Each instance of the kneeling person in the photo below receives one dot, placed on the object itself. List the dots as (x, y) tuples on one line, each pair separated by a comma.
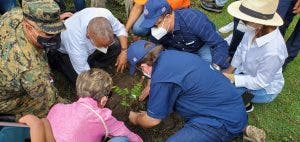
[(89, 42), (185, 83)]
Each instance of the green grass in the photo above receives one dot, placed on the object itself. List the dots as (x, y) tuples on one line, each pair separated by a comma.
[(281, 118)]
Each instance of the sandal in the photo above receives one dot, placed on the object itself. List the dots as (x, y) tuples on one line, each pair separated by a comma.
[(254, 134)]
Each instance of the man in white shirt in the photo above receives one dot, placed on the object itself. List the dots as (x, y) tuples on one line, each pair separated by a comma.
[(89, 42)]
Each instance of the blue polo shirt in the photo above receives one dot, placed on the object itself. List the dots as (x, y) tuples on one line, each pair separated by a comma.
[(192, 29), (185, 83)]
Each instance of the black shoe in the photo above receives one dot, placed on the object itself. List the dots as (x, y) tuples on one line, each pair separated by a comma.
[(211, 6), (247, 96), (249, 108)]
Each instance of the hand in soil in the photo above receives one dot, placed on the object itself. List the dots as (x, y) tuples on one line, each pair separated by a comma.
[(133, 117)]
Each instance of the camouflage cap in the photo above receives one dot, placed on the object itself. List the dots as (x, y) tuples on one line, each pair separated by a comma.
[(45, 13)]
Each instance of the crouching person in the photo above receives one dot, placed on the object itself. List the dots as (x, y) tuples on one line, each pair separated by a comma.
[(86, 119), (184, 83)]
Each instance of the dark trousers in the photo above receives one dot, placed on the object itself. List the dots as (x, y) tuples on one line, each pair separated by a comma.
[(285, 10), (61, 62)]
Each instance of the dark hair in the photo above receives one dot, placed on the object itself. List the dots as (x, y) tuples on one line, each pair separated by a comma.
[(151, 56), (264, 30)]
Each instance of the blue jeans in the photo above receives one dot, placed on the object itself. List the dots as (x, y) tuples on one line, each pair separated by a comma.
[(79, 4), (285, 10), (260, 96), (137, 29), (118, 139), (199, 132), (6, 5), (205, 53), (221, 2)]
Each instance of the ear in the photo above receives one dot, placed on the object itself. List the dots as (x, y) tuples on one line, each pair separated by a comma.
[(102, 102)]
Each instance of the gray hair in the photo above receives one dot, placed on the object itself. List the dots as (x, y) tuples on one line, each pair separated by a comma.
[(100, 27), (94, 83)]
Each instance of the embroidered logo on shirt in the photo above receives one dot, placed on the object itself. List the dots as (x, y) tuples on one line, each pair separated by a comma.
[(134, 59), (163, 9), (146, 12)]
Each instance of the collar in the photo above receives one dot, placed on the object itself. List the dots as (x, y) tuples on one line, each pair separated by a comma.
[(267, 38), (88, 101), (176, 21)]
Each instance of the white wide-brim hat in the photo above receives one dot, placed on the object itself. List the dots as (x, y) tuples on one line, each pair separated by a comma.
[(256, 11)]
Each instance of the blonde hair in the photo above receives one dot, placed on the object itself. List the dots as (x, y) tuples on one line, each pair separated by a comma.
[(94, 83)]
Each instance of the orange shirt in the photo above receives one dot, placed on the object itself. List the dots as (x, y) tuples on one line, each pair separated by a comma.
[(175, 4)]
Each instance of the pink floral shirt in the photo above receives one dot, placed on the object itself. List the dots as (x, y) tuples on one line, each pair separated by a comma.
[(76, 123)]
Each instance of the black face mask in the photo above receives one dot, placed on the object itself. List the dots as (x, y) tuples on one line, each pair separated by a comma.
[(49, 43)]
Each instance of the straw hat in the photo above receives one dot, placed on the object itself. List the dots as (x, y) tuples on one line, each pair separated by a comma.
[(256, 11)]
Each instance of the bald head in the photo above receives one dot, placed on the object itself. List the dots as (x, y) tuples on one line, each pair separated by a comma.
[(100, 31)]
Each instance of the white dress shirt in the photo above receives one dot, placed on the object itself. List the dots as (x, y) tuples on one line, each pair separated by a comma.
[(74, 41), (260, 61)]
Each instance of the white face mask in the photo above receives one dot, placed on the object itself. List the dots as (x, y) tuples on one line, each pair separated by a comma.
[(159, 32), (241, 26), (147, 75), (244, 28), (250, 28)]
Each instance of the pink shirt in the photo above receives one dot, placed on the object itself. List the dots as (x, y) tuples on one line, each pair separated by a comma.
[(76, 123)]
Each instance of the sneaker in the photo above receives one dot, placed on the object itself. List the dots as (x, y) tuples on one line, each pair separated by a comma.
[(254, 134), (227, 28), (211, 6), (249, 107)]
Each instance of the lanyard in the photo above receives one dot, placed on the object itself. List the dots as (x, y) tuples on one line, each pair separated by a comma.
[(101, 119)]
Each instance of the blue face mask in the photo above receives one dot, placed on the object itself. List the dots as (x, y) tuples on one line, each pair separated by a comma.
[(49, 43)]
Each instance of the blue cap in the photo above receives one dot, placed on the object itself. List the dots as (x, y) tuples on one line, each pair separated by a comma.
[(153, 10), (137, 51)]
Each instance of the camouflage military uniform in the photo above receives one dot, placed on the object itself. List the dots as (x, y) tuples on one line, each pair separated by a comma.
[(25, 82)]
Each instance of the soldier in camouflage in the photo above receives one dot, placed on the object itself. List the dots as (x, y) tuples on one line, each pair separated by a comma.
[(25, 81)]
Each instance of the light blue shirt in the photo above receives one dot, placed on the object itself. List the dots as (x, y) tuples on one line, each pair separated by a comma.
[(74, 41), (260, 60)]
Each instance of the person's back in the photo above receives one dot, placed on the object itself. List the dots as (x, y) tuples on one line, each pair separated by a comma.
[(205, 96), (87, 119)]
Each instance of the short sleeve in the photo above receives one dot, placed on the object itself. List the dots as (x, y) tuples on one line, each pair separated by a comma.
[(162, 99)]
